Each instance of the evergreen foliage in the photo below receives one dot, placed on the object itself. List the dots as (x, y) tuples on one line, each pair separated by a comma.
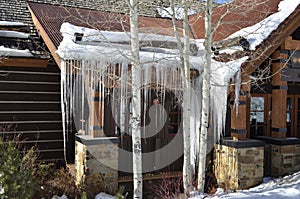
[(16, 171)]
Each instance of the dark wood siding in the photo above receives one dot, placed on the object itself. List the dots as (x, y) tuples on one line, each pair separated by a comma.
[(30, 107)]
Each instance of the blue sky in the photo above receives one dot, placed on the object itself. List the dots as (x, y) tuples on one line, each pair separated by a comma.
[(222, 1)]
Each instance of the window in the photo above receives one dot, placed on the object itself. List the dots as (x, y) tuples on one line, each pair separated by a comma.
[(295, 59), (257, 116)]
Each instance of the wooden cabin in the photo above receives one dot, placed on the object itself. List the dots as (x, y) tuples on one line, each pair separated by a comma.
[(30, 110)]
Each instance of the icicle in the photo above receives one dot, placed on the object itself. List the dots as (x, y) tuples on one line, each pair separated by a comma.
[(195, 121), (101, 87), (71, 92), (82, 97), (123, 98), (237, 90), (63, 103), (145, 90)]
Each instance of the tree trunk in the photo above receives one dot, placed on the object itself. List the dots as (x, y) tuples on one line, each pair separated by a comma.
[(187, 170), (184, 58), (205, 97), (136, 103)]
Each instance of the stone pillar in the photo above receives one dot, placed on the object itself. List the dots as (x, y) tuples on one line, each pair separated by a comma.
[(96, 163), (239, 164), (283, 155), (279, 96)]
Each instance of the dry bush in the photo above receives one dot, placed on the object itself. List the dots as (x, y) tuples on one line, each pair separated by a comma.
[(167, 189), (55, 182)]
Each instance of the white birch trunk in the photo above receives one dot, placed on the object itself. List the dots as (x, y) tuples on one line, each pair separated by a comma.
[(187, 170), (136, 103), (205, 97)]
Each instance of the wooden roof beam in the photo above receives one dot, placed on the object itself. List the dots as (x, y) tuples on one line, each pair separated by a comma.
[(23, 62)]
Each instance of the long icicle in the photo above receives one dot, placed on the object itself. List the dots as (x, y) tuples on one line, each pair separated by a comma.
[(63, 103)]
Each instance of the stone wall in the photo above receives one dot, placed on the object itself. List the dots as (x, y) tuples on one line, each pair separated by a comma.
[(96, 163), (239, 168), (285, 159)]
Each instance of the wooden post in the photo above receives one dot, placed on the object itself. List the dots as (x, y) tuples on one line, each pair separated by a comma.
[(279, 95), (97, 114), (239, 117)]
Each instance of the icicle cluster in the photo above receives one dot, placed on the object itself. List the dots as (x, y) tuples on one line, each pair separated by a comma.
[(105, 69)]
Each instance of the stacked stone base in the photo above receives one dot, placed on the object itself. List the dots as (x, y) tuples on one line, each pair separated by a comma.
[(283, 155), (239, 164), (96, 163)]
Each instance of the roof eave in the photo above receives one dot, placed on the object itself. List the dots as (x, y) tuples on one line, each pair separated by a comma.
[(51, 46), (270, 44)]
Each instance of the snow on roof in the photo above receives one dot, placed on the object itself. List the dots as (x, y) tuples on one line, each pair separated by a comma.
[(106, 49), (13, 34), (257, 33), (68, 30), (9, 52), (120, 53), (11, 23), (167, 12), (109, 48)]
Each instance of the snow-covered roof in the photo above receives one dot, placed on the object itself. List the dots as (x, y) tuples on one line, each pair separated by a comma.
[(8, 35), (11, 23), (89, 34), (13, 34), (257, 33), (15, 16), (112, 47), (9, 52)]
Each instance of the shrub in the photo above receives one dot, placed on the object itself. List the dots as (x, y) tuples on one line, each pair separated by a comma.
[(52, 182), (16, 171), (166, 188)]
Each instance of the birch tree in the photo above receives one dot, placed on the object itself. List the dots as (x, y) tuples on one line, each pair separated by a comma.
[(187, 171), (205, 96), (185, 74), (136, 100)]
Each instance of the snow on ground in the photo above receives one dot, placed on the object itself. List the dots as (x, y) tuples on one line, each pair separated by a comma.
[(60, 197), (104, 196), (287, 187), (275, 188)]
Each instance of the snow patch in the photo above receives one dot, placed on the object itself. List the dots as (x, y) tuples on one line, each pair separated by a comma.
[(11, 23), (13, 34), (14, 52), (60, 197), (287, 187), (104, 196)]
